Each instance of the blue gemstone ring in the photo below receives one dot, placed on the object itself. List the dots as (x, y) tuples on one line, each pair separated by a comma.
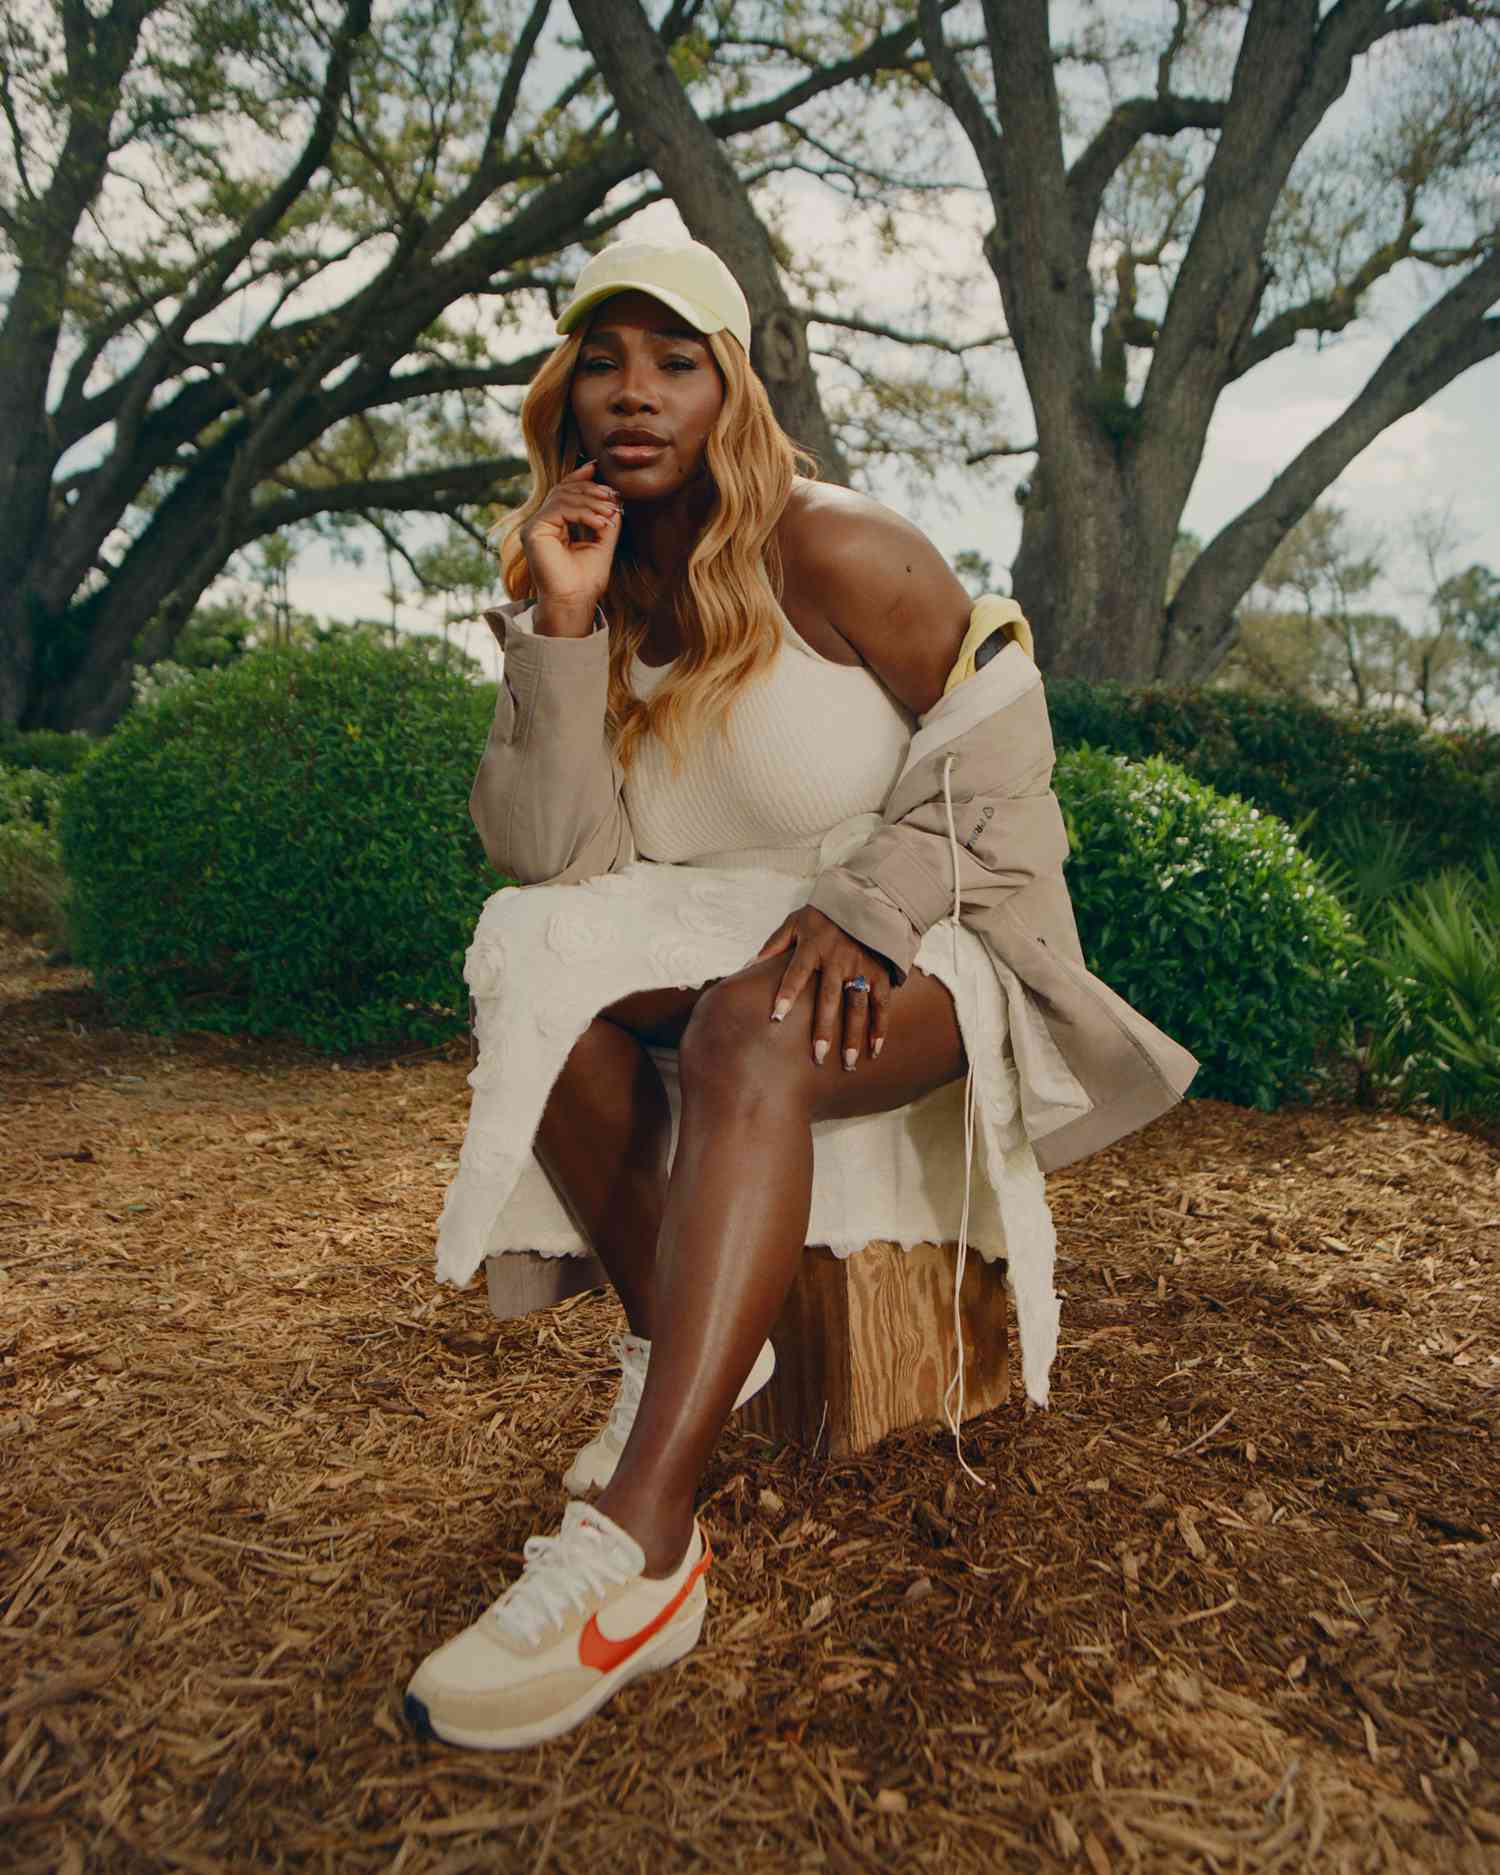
[(858, 983)]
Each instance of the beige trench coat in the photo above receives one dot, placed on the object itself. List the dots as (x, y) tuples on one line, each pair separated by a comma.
[(548, 807)]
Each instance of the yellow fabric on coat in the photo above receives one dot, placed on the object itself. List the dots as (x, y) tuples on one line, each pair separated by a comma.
[(991, 613)]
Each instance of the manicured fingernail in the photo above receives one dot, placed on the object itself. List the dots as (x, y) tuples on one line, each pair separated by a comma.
[(778, 1014), (851, 1055), (820, 1051), (877, 1045)]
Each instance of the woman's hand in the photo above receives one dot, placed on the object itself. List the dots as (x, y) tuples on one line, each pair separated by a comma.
[(569, 545), (824, 950)]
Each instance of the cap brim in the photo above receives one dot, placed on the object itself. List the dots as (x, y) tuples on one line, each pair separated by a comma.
[(696, 314)]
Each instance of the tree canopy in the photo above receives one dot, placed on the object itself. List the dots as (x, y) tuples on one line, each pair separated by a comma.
[(277, 261), (277, 264)]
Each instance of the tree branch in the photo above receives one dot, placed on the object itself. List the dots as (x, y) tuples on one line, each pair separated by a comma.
[(487, 171), (847, 322), (406, 385), (848, 167), (961, 97), (1000, 449), (221, 266), (1327, 312), (17, 140), (1450, 338), (1125, 127), (432, 491)]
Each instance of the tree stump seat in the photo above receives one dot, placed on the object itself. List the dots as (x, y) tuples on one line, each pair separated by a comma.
[(864, 1344)]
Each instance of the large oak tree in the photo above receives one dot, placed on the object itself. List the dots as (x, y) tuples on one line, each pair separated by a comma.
[(1177, 201)]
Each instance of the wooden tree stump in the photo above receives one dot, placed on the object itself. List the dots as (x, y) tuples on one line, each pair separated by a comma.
[(864, 1345)]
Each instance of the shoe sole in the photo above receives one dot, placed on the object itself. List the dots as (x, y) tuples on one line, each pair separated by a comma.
[(584, 1476), (665, 1649)]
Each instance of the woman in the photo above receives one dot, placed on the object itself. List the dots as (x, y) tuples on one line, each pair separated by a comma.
[(717, 664)]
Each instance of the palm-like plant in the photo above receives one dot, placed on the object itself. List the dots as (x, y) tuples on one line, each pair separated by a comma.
[(1368, 865), (1440, 1039)]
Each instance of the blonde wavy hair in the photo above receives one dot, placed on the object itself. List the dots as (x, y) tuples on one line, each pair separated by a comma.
[(727, 609)]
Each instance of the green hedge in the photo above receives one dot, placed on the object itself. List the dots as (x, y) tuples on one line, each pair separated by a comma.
[(33, 884), (284, 846), (1297, 760), (1203, 912), (52, 751)]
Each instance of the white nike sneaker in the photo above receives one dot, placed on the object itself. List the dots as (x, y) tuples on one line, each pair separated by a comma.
[(580, 1622), (595, 1464)]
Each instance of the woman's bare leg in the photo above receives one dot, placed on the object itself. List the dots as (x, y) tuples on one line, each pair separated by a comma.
[(735, 1217), (604, 1139)]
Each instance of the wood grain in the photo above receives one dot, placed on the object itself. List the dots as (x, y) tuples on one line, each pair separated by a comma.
[(521, 1281), (865, 1345)]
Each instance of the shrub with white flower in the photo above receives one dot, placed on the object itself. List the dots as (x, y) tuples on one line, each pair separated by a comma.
[(1206, 915)]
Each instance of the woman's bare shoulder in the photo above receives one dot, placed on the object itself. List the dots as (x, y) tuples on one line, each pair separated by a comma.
[(878, 581), (825, 527)]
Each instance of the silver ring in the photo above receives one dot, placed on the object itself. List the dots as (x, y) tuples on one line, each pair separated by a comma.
[(858, 983)]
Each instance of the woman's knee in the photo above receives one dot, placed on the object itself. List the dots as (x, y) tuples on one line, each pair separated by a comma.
[(731, 1048)]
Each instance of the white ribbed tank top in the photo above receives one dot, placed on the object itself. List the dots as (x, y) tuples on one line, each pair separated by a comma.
[(808, 745)]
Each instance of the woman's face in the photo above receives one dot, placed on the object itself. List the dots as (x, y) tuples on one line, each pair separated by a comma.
[(646, 393)]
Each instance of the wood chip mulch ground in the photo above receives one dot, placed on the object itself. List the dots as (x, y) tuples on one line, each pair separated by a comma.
[(1231, 1605)]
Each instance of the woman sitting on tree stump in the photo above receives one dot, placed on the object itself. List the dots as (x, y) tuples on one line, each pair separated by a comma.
[(706, 762)]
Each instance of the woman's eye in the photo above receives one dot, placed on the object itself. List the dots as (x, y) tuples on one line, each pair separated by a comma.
[(682, 364), (594, 364)]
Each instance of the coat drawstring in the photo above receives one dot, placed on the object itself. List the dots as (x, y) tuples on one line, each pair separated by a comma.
[(971, 1101)]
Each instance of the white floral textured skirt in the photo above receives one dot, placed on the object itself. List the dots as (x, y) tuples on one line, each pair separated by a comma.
[(546, 959)]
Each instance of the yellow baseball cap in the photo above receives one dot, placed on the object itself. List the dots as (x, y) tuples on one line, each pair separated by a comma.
[(685, 275)]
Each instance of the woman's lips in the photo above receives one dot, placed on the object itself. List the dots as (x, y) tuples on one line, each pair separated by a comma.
[(634, 455)]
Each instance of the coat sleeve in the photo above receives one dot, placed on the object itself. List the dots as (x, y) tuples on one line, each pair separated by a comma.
[(547, 798), (1007, 820)]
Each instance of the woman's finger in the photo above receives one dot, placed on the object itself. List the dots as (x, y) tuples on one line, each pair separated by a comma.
[(829, 1008), (781, 939), (594, 527), (879, 1000), (583, 508), (794, 980), (856, 1024)]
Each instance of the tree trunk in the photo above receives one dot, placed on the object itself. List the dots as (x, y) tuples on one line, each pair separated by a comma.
[(1092, 566)]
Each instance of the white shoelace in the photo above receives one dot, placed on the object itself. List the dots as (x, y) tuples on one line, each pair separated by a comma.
[(563, 1575), (971, 1102), (633, 1364)]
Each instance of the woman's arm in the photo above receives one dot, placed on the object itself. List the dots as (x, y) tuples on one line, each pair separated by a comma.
[(546, 799)]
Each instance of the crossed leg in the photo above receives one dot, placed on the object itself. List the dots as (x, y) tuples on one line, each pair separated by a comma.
[(703, 1260)]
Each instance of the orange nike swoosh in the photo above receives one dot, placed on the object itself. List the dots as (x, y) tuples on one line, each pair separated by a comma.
[(600, 1652)]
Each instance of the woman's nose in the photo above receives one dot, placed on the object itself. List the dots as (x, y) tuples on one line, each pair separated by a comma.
[(632, 393)]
